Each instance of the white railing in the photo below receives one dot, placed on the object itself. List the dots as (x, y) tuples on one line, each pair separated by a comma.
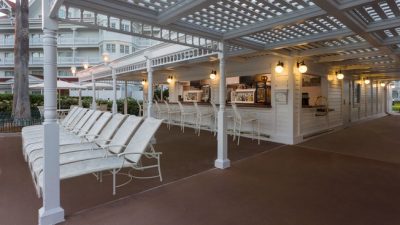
[(79, 61), (131, 68), (180, 56), (9, 42)]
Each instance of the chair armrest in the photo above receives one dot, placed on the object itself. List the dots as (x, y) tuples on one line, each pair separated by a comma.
[(139, 153)]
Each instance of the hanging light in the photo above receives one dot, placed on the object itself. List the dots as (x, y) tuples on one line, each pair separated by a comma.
[(301, 66), (143, 81), (367, 81), (73, 70), (106, 57), (213, 74), (383, 84), (86, 66), (279, 67), (339, 75), (169, 79)]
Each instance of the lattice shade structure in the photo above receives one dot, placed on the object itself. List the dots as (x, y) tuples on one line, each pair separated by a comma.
[(337, 30)]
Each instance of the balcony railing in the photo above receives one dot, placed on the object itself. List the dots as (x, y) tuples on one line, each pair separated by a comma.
[(9, 42), (38, 61)]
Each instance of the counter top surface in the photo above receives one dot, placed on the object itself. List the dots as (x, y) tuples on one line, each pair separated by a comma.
[(254, 105)]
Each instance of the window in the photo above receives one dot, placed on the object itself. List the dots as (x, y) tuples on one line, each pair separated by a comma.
[(126, 49), (9, 73), (110, 48), (64, 73), (113, 25), (356, 93), (122, 48), (125, 27)]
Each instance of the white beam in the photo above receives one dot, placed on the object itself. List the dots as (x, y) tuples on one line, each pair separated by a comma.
[(383, 24), (337, 34), (348, 56), (350, 4), (55, 7), (182, 9), (334, 49), (114, 103), (280, 21), (391, 40)]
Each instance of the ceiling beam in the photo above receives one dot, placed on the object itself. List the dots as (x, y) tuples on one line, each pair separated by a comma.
[(337, 34), (348, 56), (334, 49), (383, 24), (182, 9), (391, 40), (350, 4), (280, 21)]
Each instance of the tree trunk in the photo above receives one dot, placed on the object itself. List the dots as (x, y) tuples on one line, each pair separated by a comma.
[(21, 102)]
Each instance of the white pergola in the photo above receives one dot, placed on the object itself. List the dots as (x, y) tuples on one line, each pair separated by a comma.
[(357, 36)]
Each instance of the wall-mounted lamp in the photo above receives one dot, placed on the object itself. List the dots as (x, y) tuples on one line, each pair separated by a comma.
[(213, 74), (86, 66), (392, 86), (73, 70), (339, 75), (367, 81), (106, 57), (143, 81), (301, 66), (169, 79), (279, 67), (383, 84)]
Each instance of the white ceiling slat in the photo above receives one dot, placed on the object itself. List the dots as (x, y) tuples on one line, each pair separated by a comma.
[(334, 49), (346, 57)]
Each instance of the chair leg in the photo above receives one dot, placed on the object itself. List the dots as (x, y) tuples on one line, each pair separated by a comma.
[(114, 181), (240, 130), (198, 132)]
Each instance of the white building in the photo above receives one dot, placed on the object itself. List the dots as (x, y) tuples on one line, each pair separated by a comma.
[(76, 44)]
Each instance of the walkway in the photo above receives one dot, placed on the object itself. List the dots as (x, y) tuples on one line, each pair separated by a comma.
[(351, 177)]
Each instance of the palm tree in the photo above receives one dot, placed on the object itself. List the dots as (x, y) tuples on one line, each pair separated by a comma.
[(21, 102)]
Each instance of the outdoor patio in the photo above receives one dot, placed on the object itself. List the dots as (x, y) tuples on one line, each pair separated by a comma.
[(267, 184)]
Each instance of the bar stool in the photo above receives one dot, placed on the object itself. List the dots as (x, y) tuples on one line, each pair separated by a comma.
[(199, 117), (215, 110), (159, 111), (184, 113), (140, 113), (239, 120), (170, 112)]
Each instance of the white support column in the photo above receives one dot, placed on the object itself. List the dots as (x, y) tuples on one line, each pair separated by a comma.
[(222, 160), (94, 107), (51, 212), (149, 88), (126, 98), (80, 95), (114, 79)]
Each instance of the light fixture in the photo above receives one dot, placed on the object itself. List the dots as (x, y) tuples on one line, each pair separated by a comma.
[(169, 79), (106, 57), (213, 74), (392, 86), (339, 75), (301, 66), (383, 84), (367, 81), (279, 67), (73, 70), (143, 81), (86, 66)]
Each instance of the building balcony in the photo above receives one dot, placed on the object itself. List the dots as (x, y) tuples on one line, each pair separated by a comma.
[(61, 61), (62, 41)]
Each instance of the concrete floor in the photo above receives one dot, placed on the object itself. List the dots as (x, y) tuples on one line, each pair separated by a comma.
[(348, 177)]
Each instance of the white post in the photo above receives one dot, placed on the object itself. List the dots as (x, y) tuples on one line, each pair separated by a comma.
[(126, 98), (149, 88), (114, 79), (80, 95), (51, 212), (222, 160), (94, 107)]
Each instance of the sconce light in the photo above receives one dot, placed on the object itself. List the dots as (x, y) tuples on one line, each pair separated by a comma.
[(339, 75), (392, 86), (301, 66), (367, 81), (73, 70), (213, 74), (279, 67), (383, 84), (143, 81), (86, 66), (169, 79), (264, 79), (106, 57)]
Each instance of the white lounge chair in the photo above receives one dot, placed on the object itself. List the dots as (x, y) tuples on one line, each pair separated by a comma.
[(115, 146), (131, 157)]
